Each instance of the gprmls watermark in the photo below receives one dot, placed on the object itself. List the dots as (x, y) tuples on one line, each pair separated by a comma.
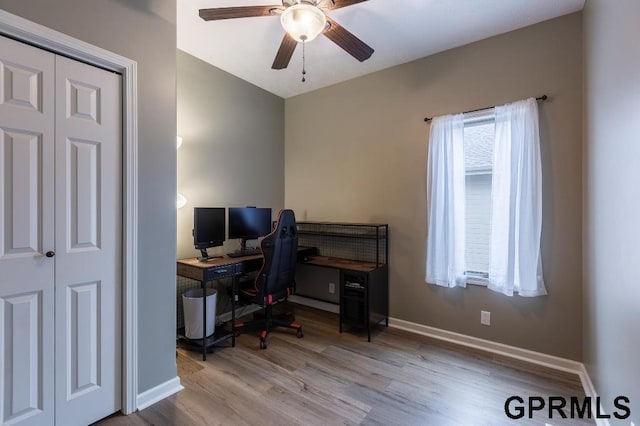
[(516, 407)]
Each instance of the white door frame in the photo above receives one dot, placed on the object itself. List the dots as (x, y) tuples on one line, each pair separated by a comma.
[(35, 34)]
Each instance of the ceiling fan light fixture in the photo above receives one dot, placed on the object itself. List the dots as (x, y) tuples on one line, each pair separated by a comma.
[(303, 22)]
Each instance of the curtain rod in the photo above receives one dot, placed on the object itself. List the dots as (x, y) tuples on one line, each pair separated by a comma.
[(539, 98)]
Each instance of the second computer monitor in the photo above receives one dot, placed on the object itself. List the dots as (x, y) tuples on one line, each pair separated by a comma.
[(249, 223)]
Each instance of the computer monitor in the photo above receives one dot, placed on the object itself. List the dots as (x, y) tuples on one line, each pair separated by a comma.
[(249, 223), (208, 228)]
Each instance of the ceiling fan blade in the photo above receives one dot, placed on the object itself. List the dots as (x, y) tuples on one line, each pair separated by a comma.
[(350, 43), (287, 47), (337, 4), (218, 13)]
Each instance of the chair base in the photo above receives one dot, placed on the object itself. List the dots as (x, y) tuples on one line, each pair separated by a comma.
[(264, 321)]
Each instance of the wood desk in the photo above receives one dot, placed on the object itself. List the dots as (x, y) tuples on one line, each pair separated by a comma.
[(364, 291), (338, 263), (214, 269), (209, 270)]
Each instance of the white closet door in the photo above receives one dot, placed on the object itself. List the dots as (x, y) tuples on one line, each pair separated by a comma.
[(88, 242), (26, 234)]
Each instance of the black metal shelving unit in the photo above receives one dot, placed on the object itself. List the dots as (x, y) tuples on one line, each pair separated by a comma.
[(361, 252), (364, 242)]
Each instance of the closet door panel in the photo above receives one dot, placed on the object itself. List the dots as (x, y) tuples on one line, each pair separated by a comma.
[(89, 235), (26, 234)]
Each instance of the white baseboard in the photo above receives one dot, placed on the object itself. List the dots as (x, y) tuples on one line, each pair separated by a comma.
[(527, 355), (249, 309), (240, 311), (550, 361), (318, 304), (160, 392), (587, 384), (590, 390)]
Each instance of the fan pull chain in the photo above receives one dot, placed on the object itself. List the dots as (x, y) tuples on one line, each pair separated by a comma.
[(304, 72)]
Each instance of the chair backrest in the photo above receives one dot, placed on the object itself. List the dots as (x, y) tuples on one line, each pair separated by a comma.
[(280, 252)]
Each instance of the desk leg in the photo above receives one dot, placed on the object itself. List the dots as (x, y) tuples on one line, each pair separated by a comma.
[(234, 298), (203, 284)]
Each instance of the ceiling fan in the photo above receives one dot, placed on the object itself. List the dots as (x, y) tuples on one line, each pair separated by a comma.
[(303, 20)]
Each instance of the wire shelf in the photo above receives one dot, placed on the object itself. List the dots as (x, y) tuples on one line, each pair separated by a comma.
[(354, 241)]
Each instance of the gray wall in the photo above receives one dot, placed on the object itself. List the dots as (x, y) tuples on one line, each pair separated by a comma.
[(612, 199), (233, 149), (357, 151), (145, 32)]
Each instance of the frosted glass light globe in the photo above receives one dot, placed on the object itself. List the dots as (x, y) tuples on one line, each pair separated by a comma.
[(303, 22)]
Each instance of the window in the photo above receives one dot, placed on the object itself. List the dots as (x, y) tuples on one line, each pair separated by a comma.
[(484, 200), (479, 134)]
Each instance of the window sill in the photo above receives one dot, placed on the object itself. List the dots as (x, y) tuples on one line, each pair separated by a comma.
[(482, 282)]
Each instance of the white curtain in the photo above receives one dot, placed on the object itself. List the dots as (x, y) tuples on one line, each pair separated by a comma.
[(516, 202), (445, 202)]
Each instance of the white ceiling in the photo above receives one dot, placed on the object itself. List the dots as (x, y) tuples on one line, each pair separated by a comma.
[(399, 30)]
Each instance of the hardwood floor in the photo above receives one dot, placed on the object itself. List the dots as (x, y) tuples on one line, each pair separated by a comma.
[(329, 378)]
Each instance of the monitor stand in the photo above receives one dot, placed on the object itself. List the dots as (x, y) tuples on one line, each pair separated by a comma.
[(205, 256), (243, 251)]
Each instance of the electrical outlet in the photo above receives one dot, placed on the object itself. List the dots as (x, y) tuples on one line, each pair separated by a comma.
[(332, 288), (485, 317)]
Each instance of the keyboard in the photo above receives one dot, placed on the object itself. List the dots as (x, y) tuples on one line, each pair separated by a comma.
[(246, 252)]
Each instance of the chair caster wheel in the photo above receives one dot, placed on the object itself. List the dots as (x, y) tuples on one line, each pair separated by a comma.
[(299, 333), (263, 344)]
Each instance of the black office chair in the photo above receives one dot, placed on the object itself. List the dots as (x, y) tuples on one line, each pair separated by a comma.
[(275, 281)]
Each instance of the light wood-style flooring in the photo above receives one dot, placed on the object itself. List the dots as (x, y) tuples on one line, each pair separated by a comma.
[(328, 378)]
